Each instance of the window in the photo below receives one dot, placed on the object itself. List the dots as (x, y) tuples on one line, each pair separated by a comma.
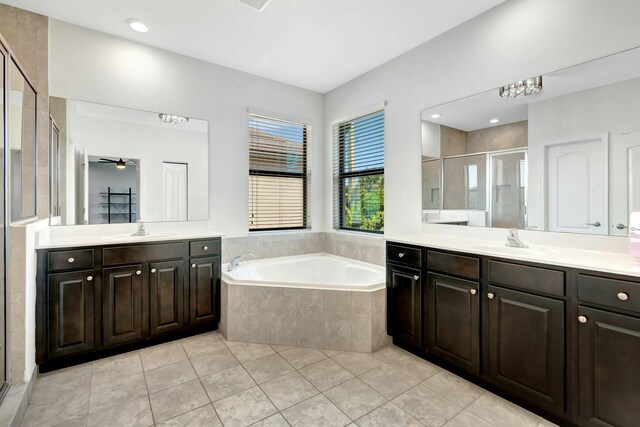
[(278, 174), (359, 173)]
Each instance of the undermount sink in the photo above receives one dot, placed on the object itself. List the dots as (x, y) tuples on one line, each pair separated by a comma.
[(129, 236), (509, 250)]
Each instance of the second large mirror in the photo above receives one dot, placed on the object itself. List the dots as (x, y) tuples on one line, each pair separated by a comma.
[(558, 152), (117, 165)]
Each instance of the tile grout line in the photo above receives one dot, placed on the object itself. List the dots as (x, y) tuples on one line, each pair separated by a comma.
[(144, 375)]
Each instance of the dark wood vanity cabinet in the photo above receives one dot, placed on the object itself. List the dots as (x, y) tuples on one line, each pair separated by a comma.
[(93, 301), (405, 299)]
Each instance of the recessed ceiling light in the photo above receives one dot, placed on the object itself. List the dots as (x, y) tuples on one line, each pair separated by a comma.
[(137, 25), (494, 121), (435, 116)]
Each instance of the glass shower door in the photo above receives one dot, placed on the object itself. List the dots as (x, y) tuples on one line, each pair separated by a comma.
[(3, 203)]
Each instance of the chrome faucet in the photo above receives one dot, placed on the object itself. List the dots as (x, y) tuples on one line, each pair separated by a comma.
[(235, 261), (141, 231), (513, 240)]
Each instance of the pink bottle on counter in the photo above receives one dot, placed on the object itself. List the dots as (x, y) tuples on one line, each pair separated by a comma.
[(634, 234)]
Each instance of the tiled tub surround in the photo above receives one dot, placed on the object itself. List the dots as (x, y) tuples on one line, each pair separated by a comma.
[(277, 302)]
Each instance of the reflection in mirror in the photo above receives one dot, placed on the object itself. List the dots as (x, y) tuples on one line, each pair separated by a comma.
[(22, 144), (564, 159), (431, 171), (117, 165)]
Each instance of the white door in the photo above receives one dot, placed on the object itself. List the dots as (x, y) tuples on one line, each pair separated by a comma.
[(577, 187), (174, 191), (624, 180)]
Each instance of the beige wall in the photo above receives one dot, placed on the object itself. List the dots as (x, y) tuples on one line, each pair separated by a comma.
[(504, 137)]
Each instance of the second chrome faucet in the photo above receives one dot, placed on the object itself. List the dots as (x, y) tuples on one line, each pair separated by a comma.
[(513, 240)]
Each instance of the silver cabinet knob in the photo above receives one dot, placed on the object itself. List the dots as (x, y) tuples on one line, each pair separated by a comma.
[(401, 255), (582, 319), (623, 296), (490, 295), (89, 278), (71, 260), (138, 272), (153, 270), (621, 226), (472, 291), (416, 277), (193, 265), (595, 224), (205, 248)]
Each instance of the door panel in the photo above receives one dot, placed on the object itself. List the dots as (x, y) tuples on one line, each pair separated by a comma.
[(609, 390), (166, 296), (122, 309), (405, 305), (203, 283), (71, 313), (453, 320), (526, 346)]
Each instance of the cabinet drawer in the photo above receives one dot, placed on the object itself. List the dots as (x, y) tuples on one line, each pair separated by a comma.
[(454, 264), (204, 247), (404, 255), (527, 278), (613, 293), (143, 253), (71, 260)]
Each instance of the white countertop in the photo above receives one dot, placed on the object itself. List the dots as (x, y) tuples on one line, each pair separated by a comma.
[(50, 242), (608, 262)]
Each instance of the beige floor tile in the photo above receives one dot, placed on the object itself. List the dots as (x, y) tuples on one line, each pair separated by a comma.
[(330, 352), (169, 376), (225, 383), (357, 363), (203, 416), (414, 367), (161, 355), (427, 406), (203, 344), (62, 386), (546, 423), (246, 352), (317, 411), (500, 412), (388, 415), (276, 420), (244, 408), (267, 368), (211, 363), (280, 348), (388, 381), (136, 413), (467, 419), (116, 392), (325, 374), (288, 390), (299, 357), (389, 353), (78, 422), (113, 368), (454, 388), (53, 413), (177, 400), (355, 398)]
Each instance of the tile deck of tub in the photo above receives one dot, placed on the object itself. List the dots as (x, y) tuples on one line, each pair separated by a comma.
[(207, 381)]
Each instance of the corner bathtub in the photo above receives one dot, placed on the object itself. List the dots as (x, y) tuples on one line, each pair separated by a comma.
[(319, 300)]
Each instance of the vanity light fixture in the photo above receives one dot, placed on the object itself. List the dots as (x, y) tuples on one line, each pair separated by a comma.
[(494, 121), (435, 116), (137, 25), (120, 164), (521, 88), (173, 119)]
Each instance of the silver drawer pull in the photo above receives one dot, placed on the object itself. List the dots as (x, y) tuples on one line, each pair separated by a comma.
[(490, 295), (582, 319), (193, 265), (621, 226), (71, 260), (472, 291), (153, 270), (623, 296), (89, 278), (595, 224), (205, 248), (401, 255), (416, 277), (138, 272)]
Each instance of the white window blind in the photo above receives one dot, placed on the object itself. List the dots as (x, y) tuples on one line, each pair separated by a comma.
[(278, 174), (358, 171)]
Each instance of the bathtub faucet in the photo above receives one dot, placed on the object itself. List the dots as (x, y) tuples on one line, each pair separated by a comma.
[(236, 261)]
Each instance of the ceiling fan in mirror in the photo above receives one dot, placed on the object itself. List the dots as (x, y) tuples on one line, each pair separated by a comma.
[(120, 163)]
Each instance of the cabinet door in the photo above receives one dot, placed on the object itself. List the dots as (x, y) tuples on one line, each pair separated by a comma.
[(526, 346), (166, 297), (204, 284), (122, 308), (608, 368), (71, 300), (405, 305), (452, 322)]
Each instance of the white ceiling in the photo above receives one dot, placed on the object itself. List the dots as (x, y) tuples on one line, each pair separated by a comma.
[(313, 44)]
